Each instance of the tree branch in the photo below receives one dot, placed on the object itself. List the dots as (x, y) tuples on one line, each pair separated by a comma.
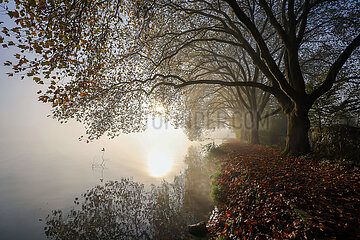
[(265, 53), (271, 114), (273, 21), (215, 82), (334, 70)]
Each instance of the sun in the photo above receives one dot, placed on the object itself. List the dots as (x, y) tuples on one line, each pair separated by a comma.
[(160, 109), (159, 163)]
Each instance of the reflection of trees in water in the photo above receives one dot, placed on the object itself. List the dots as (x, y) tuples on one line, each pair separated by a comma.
[(197, 187), (127, 210)]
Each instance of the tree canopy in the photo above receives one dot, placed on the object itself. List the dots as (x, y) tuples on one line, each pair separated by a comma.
[(107, 61)]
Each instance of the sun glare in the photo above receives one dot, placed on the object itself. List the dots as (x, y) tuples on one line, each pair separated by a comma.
[(160, 109), (159, 163)]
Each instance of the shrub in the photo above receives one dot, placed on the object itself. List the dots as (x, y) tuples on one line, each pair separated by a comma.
[(217, 192), (338, 142)]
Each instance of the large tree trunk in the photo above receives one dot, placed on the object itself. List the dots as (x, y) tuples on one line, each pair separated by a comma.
[(297, 139), (254, 131), (254, 136)]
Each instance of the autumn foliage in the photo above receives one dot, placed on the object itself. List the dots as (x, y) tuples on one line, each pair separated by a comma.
[(266, 196)]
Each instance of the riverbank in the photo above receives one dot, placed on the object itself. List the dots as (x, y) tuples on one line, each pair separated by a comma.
[(262, 195)]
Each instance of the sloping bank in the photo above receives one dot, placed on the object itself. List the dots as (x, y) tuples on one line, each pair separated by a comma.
[(261, 195)]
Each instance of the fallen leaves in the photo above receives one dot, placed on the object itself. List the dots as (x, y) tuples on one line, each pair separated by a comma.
[(273, 197)]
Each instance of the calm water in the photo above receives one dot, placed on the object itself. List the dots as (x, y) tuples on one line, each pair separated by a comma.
[(44, 171)]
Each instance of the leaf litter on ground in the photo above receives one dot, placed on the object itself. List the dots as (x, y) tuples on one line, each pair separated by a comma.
[(268, 196)]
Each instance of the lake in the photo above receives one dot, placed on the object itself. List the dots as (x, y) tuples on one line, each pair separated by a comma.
[(45, 167)]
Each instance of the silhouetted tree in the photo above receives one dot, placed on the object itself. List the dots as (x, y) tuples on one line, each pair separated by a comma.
[(225, 106), (104, 59)]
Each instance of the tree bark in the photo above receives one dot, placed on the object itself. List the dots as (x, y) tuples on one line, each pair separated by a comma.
[(297, 139), (254, 131), (254, 136)]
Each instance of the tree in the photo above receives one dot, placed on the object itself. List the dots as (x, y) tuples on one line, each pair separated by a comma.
[(118, 53), (292, 25), (340, 105), (226, 106)]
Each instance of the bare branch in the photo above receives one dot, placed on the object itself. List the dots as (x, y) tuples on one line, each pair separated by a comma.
[(334, 70)]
